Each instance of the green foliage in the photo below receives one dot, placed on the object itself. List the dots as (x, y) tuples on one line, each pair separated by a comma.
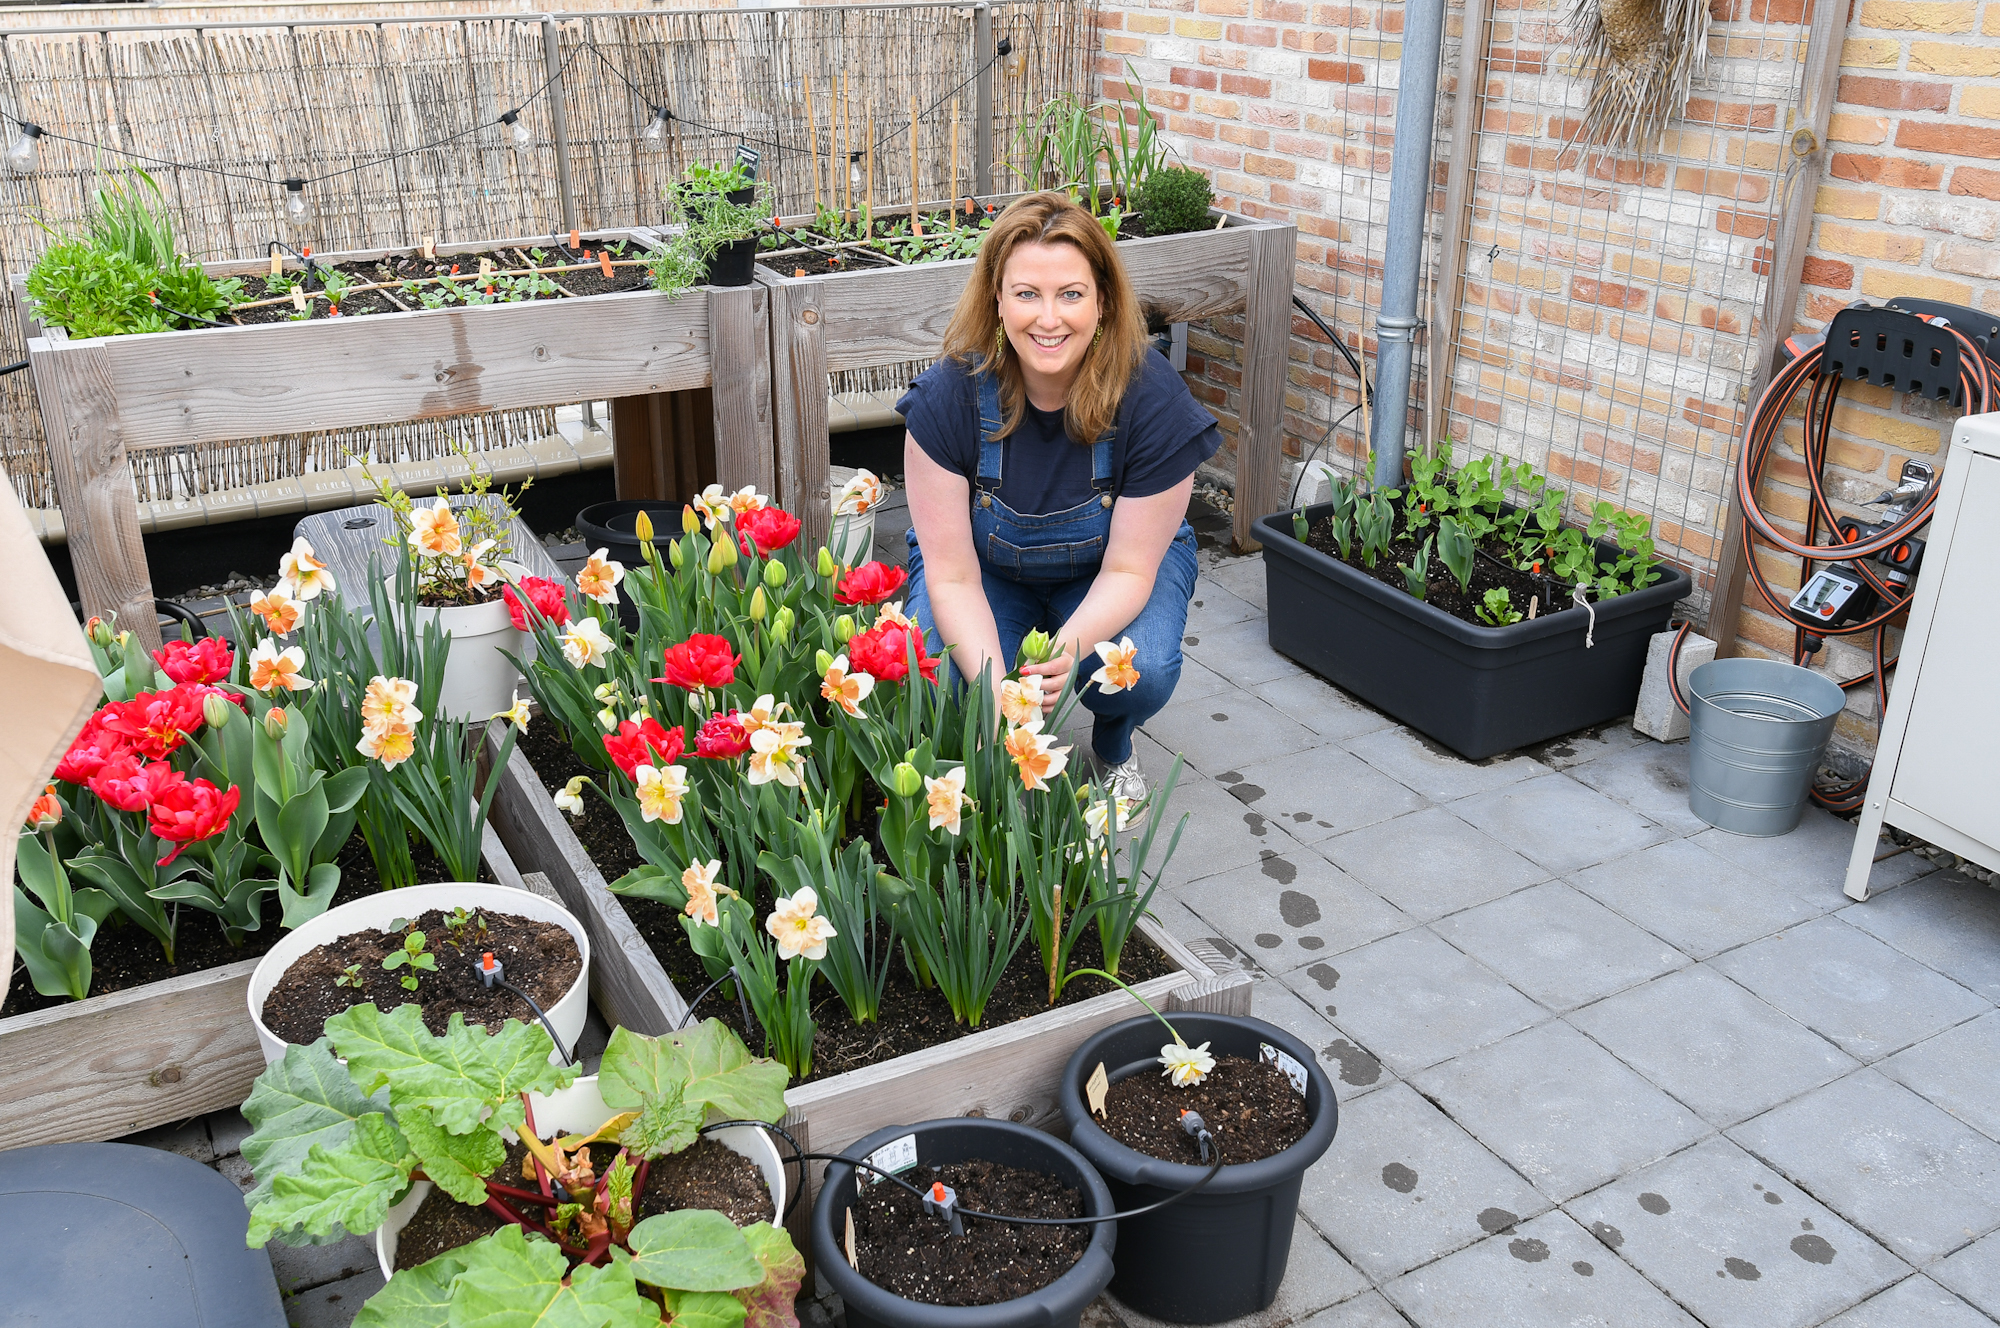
[(702, 178), (693, 1250), (1133, 147), (412, 956), (673, 1082), (124, 275), (965, 934), (1176, 199), (1375, 524), (1497, 608), (1417, 575), (1455, 545), (93, 293)]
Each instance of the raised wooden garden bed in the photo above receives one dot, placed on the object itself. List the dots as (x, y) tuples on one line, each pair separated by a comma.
[(106, 1066)]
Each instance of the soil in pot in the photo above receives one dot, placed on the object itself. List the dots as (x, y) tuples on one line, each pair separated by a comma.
[(541, 958), (1250, 1108), (911, 1254), (124, 956), (912, 1018), (705, 1175)]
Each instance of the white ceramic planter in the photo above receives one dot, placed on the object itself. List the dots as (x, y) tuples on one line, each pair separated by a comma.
[(479, 680), (567, 1014), (851, 539), (579, 1109)]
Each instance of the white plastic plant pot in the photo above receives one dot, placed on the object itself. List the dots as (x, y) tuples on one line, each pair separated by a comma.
[(566, 1015), (479, 680), (579, 1109), (851, 538)]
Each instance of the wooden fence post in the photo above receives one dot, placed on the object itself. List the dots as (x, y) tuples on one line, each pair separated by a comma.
[(799, 381), (1267, 334), (738, 341)]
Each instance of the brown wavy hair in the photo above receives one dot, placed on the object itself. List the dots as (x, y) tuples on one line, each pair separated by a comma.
[(1108, 365)]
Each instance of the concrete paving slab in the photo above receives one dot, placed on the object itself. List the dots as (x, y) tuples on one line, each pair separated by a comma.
[(1846, 985), (1322, 707), (1221, 834), (335, 1304), (1559, 945), (1241, 651), (1650, 778), (1548, 1271), (1812, 859), (1369, 1311), (1198, 680), (1974, 1273), (302, 1267), (1431, 770), (1573, 749), (1320, 793), (189, 1138), (1228, 731), (1315, 1278), (1956, 1070), (1947, 921), (1430, 863), (1693, 900), (1403, 1185), (227, 1130), (1353, 1070), (1557, 822), (1559, 1109), (1181, 923), (1291, 909), (1242, 577), (1914, 1302), (1918, 1181), (1214, 608), (1731, 1240), (1413, 1000), (1712, 1044)]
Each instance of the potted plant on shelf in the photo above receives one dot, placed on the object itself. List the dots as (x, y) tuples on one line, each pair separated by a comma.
[(451, 1148), (914, 1256), (1483, 624), (721, 211)]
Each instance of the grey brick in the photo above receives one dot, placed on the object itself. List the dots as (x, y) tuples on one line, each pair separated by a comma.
[(1369, 1311), (1241, 651), (1322, 707), (1559, 945), (1974, 1272), (1914, 1302), (302, 1267), (1956, 1070), (1811, 860), (1214, 608), (1353, 1070), (189, 1138), (1320, 793), (1292, 908), (1658, 715), (1247, 731), (1242, 577), (1573, 749), (1651, 779), (1949, 922)]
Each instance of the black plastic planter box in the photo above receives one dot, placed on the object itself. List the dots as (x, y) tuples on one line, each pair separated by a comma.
[(1476, 689)]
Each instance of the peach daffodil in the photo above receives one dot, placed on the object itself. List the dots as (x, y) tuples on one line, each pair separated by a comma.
[(704, 892), (389, 701), (585, 643), (946, 799), (1021, 699), (280, 612), (301, 576), (1117, 675), (775, 754), (747, 499), (660, 792), (764, 713), (859, 495), (434, 531), (477, 574), (273, 670), (600, 577), (391, 744), (845, 689), (1036, 757), (795, 925)]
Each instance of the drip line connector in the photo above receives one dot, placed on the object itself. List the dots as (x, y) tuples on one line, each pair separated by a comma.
[(491, 970), (1192, 1122), (942, 1201)]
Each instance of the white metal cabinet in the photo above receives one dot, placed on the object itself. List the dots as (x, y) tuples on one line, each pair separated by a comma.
[(1934, 772)]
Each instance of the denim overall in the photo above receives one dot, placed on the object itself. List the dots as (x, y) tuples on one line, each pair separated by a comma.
[(1036, 570)]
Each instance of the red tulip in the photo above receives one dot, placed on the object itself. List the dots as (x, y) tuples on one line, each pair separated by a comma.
[(870, 583), (132, 787), (547, 597), (700, 661), (722, 738), (770, 528), (644, 742), (93, 748), (46, 810), (191, 811), (157, 723), (883, 651), (207, 660)]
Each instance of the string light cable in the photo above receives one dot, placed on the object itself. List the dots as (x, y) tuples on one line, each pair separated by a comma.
[(1360, 376)]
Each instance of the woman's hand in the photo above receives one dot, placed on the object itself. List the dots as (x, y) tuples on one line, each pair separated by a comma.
[(1055, 678)]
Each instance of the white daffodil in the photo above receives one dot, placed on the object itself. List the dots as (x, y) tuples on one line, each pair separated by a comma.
[(714, 506), (1185, 1065), (1036, 757), (859, 495), (775, 754), (844, 689), (569, 798), (585, 643), (660, 792), (1098, 814), (946, 799), (273, 670), (793, 923), (301, 576), (434, 531), (517, 714)]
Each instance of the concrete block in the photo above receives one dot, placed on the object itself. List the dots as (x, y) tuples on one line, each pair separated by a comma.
[(1656, 715)]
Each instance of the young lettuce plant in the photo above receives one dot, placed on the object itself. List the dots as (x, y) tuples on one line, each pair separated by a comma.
[(1497, 608)]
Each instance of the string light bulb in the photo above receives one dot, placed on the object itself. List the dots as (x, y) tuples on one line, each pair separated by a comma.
[(298, 210), (21, 154), (517, 132), (854, 176), (654, 135)]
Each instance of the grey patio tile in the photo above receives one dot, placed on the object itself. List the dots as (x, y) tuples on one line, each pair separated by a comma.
[(1557, 822), (227, 1130), (1559, 945), (1692, 899), (1321, 793), (1369, 1311), (335, 1304), (1241, 651), (1322, 707), (1214, 608), (1812, 859), (1180, 922), (1918, 1181), (1712, 1044), (1430, 863), (1291, 908), (1548, 1271), (1842, 982), (1413, 1001), (1198, 680), (1728, 1238), (1353, 1070), (1651, 779), (1219, 834), (1956, 1070), (1914, 1302), (1315, 1277), (1573, 749), (1228, 731), (1948, 921), (1403, 1185), (189, 1138), (1242, 577), (1431, 770), (1974, 1272), (1559, 1108), (303, 1267)]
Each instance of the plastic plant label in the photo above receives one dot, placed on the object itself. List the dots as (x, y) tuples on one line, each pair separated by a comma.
[(298, 299), (604, 261), (853, 1261), (430, 248), (1095, 1087), (896, 1155), (277, 261), (576, 239), (485, 267), (1293, 1070)]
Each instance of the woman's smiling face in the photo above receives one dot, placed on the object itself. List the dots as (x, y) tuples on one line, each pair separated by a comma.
[(1049, 307)]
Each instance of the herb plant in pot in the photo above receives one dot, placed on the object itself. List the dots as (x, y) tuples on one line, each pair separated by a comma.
[(918, 1264), (721, 213), (1237, 1228)]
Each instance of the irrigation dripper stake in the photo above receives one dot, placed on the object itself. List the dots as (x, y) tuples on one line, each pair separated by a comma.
[(942, 1201), (1192, 1122), (491, 970)]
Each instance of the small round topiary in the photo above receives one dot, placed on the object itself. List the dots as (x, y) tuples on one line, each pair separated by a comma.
[(1175, 199)]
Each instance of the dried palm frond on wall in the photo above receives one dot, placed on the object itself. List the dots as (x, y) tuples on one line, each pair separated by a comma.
[(1645, 55)]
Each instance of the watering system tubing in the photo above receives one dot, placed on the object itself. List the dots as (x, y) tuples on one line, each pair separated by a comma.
[(1397, 321), (1173, 1198)]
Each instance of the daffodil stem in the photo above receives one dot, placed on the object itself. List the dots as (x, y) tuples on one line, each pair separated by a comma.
[(1100, 973)]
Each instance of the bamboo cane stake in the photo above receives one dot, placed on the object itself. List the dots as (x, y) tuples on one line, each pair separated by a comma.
[(847, 136), (953, 193), (916, 226), (812, 137), (868, 169)]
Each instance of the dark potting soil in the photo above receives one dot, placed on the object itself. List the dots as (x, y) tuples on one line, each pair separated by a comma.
[(574, 272), (1441, 589), (705, 1175), (123, 956), (912, 1017), (1251, 1110), (541, 958), (909, 1253)]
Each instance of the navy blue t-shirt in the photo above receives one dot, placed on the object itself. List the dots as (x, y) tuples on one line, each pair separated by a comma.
[(1163, 434)]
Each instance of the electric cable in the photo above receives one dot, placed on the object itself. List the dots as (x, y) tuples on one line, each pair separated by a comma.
[(1367, 393)]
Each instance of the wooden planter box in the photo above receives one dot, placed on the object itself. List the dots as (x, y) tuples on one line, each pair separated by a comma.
[(881, 316), (104, 397), (107, 1066)]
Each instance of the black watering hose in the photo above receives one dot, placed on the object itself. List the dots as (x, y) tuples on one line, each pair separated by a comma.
[(490, 971), (744, 1000)]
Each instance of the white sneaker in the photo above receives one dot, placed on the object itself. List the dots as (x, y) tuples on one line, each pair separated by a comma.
[(1125, 780)]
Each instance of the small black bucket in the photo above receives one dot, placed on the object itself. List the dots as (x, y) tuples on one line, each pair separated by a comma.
[(1221, 1252), (1060, 1304), (612, 527)]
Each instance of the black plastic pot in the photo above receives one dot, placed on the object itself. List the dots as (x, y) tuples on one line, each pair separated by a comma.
[(611, 526), (1220, 1253), (1476, 689), (732, 263), (1060, 1304)]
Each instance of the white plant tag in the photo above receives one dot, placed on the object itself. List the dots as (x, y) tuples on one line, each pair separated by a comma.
[(853, 1261), (1096, 1087), (896, 1155), (277, 262), (1293, 1070)]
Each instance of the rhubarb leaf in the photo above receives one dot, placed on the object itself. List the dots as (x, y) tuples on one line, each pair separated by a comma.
[(513, 1282), (665, 1124), (351, 1186), (723, 1074), (770, 1304), (302, 1100), (693, 1249), (417, 1297), (457, 1163), (705, 1309), (459, 1078)]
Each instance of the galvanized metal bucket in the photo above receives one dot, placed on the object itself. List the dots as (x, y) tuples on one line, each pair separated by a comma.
[(1759, 728)]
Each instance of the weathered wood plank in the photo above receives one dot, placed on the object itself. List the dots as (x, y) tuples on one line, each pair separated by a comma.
[(739, 337), (799, 371), (247, 267), (1267, 330)]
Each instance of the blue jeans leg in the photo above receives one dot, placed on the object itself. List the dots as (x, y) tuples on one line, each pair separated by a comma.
[(1017, 609), (1157, 633)]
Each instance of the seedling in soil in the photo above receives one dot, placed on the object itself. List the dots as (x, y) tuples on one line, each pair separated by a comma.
[(1417, 575), (412, 956), (1498, 608), (349, 977), (465, 927)]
